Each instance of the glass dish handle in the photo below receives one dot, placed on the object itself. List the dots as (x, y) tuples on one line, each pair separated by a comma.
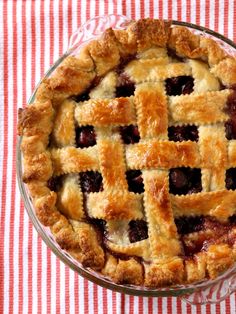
[(93, 28), (214, 293)]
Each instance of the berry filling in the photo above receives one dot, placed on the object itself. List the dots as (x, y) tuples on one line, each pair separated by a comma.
[(137, 230), (179, 85), (183, 133), (198, 233), (171, 53), (230, 125), (184, 181), (82, 97), (125, 86), (100, 228), (85, 137), (91, 182), (55, 183), (130, 134), (230, 179), (135, 181)]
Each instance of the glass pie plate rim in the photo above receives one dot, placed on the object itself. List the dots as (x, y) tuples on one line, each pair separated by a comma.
[(203, 292)]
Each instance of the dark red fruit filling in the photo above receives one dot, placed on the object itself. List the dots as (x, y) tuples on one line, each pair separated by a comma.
[(230, 125), (55, 183), (125, 86), (130, 134), (124, 62), (85, 137), (179, 85), (183, 133), (171, 53), (185, 181), (100, 228), (82, 97), (135, 181), (231, 179), (189, 224), (209, 231), (91, 181), (137, 230)]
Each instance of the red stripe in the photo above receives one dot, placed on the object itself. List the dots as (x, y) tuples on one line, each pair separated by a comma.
[(86, 303), (114, 302), (67, 290), (179, 11), (48, 280), (51, 25), (140, 305), (170, 9), (95, 298), (216, 15), (76, 292), (179, 306), (132, 9), (207, 13), (104, 297), (60, 31), (169, 305), (226, 17), (122, 303), (198, 12), (188, 10), (58, 276)]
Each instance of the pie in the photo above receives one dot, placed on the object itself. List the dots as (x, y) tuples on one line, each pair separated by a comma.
[(130, 155)]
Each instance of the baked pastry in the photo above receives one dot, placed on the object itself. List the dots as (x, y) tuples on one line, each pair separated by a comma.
[(130, 155)]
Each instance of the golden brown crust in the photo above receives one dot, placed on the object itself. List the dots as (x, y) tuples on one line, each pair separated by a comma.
[(48, 145)]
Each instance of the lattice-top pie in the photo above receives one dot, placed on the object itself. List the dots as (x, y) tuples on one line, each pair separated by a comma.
[(130, 155)]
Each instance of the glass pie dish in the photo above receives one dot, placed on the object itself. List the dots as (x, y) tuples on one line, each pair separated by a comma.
[(202, 292)]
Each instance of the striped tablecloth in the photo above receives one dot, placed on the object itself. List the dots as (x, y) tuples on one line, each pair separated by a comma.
[(33, 34)]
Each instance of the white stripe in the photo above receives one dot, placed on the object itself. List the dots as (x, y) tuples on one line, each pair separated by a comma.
[(146, 8), (119, 6), (165, 9), (137, 10), (202, 13), (81, 294), (232, 303), (193, 11), (65, 6), (90, 298), (128, 8), (34, 278), (156, 9), (53, 284), (212, 15), (62, 287), (47, 35), (221, 16), (44, 275), (56, 29), (110, 7), (174, 10), (184, 11), (72, 291), (231, 19), (83, 5)]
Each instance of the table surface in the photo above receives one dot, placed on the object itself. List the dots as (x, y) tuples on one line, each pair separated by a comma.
[(33, 34)]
